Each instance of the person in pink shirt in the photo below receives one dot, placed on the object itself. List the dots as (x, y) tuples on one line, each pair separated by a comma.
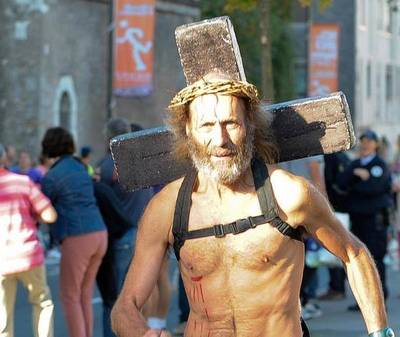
[(22, 204)]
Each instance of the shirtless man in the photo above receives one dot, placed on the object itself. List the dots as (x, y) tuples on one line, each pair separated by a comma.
[(245, 284)]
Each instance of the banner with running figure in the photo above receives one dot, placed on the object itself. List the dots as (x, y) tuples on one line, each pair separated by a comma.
[(323, 58), (133, 47)]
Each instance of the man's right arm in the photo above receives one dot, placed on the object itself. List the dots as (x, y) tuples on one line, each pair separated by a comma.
[(151, 246)]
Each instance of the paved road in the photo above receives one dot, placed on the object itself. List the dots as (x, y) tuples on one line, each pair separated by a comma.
[(336, 321)]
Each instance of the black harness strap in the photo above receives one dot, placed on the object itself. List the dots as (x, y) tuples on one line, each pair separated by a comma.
[(220, 231), (182, 210), (267, 203)]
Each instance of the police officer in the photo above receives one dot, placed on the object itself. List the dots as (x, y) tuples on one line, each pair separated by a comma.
[(368, 183)]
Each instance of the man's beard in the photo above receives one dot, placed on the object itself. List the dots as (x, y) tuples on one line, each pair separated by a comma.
[(225, 171)]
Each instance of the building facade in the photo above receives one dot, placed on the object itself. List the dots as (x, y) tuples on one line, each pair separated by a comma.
[(55, 69), (378, 66), (369, 56)]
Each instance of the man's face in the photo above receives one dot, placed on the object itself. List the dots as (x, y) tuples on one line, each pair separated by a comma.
[(367, 146), (220, 141)]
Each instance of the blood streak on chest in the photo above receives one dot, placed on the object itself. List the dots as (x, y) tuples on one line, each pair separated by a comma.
[(197, 296)]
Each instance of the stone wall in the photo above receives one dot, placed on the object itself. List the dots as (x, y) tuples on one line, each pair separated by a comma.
[(54, 58)]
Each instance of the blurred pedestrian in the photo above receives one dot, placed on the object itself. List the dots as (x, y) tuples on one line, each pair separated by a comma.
[(25, 167), (120, 249), (312, 169), (86, 157), (368, 183), (22, 204), (395, 166), (385, 149), (335, 163), (52, 253), (117, 222), (11, 155), (79, 228), (395, 169)]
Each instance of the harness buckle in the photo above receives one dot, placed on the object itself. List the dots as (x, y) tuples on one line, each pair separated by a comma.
[(219, 231), (252, 224), (242, 225)]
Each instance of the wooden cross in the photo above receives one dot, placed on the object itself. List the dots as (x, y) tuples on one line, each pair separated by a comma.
[(302, 128)]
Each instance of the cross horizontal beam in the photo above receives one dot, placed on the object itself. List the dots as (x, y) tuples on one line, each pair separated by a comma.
[(302, 128)]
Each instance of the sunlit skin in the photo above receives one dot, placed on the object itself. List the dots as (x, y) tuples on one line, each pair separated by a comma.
[(214, 123), (248, 284)]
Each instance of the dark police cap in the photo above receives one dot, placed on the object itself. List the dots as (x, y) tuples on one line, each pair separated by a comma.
[(369, 134)]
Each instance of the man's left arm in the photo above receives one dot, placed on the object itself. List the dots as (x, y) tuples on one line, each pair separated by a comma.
[(319, 220)]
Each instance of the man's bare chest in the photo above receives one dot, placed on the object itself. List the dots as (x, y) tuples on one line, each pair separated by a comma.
[(255, 249)]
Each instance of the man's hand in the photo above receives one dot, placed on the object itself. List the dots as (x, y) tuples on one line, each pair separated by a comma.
[(157, 333), (362, 173)]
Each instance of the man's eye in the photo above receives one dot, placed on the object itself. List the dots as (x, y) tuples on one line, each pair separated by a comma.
[(232, 124)]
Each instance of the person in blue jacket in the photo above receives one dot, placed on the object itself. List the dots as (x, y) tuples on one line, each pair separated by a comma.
[(79, 228), (368, 183)]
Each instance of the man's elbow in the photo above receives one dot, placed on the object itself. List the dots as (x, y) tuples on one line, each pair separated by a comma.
[(357, 250)]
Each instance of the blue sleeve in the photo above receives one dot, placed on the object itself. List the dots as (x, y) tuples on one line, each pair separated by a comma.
[(48, 188)]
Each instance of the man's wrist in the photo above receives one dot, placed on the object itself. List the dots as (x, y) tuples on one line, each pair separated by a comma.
[(387, 332)]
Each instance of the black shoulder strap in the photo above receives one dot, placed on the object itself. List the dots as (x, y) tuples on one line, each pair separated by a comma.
[(267, 201), (182, 210), (263, 187)]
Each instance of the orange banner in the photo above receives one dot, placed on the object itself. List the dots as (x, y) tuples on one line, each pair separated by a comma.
[(323, 57), (133, 47)]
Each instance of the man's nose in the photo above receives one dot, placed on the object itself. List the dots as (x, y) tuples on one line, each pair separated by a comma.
[(220, 136)]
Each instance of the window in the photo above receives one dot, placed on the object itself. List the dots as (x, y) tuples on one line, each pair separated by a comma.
[(394, 7), (380, 14), (65, 111), (65, 105), (398, 85), (378, 95), (387, 17), (301, 79), (389, 82), (369, 80), (363, 5), (391, 23)]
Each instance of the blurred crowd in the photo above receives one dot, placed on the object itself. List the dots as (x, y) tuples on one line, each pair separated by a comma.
[(67, 209), (362, 187)]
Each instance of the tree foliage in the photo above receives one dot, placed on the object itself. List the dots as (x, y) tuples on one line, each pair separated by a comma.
[(245, 16)]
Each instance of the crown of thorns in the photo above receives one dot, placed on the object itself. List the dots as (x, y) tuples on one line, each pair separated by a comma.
[(226, 87)]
